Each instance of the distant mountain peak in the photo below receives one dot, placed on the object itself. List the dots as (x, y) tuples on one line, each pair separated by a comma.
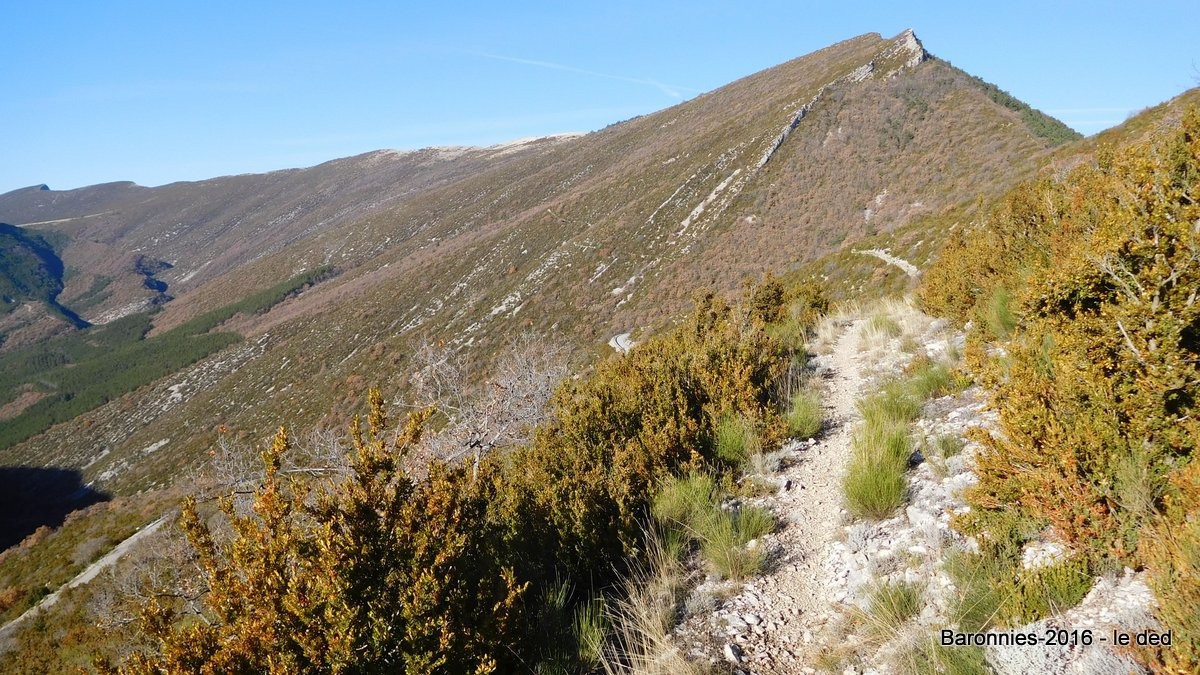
[(575, 237), (908, 47)]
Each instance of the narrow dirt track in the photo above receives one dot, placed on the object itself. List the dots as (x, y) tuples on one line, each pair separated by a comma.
[(797, 599), (90, 572)]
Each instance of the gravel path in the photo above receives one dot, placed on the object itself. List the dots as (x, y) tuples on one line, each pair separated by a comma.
[(909, 268), (90, 572), (813, 506), (788, 606)]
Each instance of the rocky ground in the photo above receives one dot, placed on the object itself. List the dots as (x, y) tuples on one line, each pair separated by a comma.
[(824, 565)]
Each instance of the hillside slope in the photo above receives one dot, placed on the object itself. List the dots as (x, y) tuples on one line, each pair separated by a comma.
[(578, 238), (31, 279), (202, 230)]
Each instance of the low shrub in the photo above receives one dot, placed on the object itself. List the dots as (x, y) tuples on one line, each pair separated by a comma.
[(1046, 591), (445, 573), (1172, 551), (993, 590), (1082, 290)]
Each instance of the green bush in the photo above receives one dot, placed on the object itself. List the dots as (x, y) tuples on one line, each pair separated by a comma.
[(589, 475), (1038, 122), (1046, 591)]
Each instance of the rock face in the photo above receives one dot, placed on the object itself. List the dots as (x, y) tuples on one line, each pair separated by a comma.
[(621, 343), (908, 46)]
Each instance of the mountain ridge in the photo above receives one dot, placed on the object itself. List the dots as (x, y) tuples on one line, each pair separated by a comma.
[(584, 237)]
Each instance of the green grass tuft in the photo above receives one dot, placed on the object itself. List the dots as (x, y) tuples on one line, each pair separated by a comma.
[(875, 485), (681, 501), (874, 489), (891, 604), (929, 379), (929, 656), (998, 314), (882, 324), (893, 403), (689, 508), (591, 630), (753, 522), (736, 440), (723, 546), (805, 417), (977, 604), (949, 445)]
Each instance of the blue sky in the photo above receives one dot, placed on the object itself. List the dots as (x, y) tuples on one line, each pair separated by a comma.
[(155, 92)]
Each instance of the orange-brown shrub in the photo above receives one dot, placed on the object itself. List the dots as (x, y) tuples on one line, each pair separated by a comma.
[(1097, 381), (381, 572)]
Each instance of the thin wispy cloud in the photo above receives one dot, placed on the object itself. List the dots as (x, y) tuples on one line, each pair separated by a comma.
[(674, 91)]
